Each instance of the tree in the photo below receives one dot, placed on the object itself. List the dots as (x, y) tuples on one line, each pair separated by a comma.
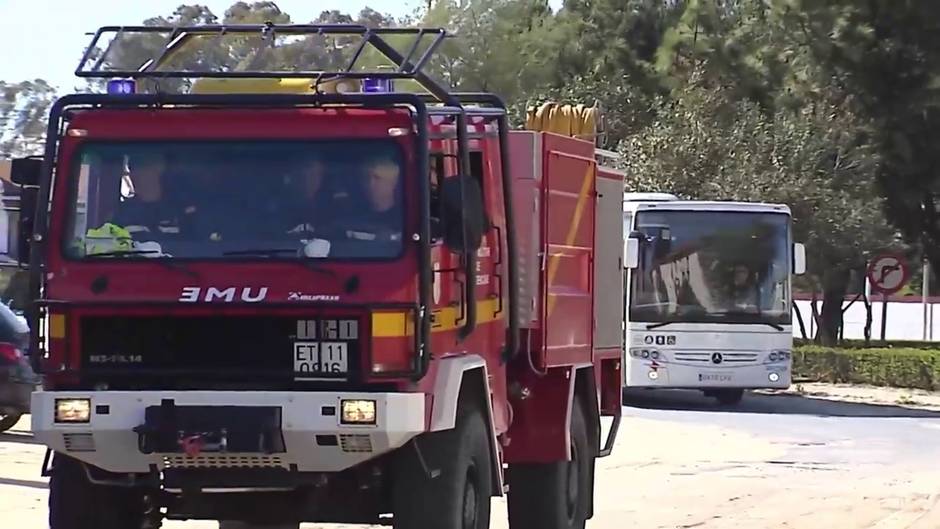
[(887, 54), (706, 144), (24, 108)]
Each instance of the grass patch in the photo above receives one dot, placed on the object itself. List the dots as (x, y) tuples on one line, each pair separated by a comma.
[(895, 367)]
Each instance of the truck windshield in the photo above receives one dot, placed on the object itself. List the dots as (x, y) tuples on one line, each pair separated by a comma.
[(712, 267), (237, 200)]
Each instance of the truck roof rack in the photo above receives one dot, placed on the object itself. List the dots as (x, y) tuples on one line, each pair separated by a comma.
[(168, 45)]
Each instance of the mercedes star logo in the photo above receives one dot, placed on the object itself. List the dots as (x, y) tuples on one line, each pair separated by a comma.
[(716, 358)]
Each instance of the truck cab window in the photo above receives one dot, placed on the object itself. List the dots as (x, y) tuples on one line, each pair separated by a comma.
[(212, 200)]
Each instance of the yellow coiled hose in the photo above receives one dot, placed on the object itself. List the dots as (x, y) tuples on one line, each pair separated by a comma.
[(578, 121)]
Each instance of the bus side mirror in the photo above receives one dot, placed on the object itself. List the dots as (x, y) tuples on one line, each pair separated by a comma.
[(462, 218), (799, 259), (631, 253)]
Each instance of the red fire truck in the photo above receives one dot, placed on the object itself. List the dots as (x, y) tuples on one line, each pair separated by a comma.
[(299, 295)]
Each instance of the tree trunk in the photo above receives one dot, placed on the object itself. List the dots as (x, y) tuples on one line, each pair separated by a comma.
[(814, 312), (835, 286), (867, 318)]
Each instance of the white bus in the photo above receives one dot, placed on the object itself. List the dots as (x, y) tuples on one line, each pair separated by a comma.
[(707, 293)]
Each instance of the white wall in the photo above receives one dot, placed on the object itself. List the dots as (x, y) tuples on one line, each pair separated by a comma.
[(905, 321)]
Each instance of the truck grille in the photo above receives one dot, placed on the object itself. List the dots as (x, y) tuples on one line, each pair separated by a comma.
[(222, 461), (225, 348)]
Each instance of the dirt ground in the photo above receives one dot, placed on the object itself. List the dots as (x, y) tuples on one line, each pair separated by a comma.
[(818, 456)]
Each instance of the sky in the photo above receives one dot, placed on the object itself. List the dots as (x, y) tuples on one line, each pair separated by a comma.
[(46, 38)]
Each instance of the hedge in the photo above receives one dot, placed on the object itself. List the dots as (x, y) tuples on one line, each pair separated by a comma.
[(897, 367), (875, 343)]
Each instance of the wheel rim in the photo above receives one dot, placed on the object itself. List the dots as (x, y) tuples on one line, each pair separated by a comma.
[(470, 500), (573, 485)]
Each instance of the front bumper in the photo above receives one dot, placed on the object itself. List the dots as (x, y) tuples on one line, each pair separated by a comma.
[(670, 375), (314, 439)]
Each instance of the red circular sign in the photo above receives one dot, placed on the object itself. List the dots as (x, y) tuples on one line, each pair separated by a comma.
[(888, 273)]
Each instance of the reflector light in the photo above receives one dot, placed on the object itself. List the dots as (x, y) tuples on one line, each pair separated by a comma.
[(122, 86), (377, 86)]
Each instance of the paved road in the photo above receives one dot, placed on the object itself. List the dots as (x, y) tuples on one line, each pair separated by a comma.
[(775, 462)]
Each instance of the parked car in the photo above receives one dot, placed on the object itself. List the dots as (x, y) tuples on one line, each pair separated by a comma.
[(17, 378)]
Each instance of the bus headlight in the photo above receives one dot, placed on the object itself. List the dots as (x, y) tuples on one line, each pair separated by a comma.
[(778, 356)]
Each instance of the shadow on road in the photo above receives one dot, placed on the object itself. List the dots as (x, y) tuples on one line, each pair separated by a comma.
[(18, 437), (24, 483), (787, 404)]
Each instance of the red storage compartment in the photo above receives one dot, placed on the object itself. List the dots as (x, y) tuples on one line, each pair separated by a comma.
[(554, 194)]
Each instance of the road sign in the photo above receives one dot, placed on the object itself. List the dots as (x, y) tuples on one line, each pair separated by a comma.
[(888, 273)]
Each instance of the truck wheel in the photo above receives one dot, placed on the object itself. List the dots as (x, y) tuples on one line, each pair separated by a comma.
[(554, 495), (76, 503), (457, 496), (729, 397), (9, 421)]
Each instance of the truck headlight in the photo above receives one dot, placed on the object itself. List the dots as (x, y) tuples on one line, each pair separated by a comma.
[(357, 412), (73, 410)]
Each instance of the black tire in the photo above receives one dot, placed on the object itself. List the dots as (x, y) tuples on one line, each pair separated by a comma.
[(235, 524), (458, 495), (9, 421), (729, 397), (555, 495), (76, 503)]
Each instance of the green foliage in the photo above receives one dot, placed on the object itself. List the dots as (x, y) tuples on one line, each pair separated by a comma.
[(23, 110), (906, 368)]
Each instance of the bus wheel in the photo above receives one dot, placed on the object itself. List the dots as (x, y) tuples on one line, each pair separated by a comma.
[(554, 495), (76, 503), (729, 397), (457, 495)]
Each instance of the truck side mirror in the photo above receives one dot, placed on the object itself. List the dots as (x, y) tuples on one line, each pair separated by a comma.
[(25, 171), (465, 217), (631, 253), (799, 259)]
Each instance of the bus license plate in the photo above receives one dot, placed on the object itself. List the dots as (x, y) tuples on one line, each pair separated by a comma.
[(714, 377), (320, 358)]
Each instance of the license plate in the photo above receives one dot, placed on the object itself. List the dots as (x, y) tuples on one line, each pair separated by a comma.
[(714, 377), (320, 358)]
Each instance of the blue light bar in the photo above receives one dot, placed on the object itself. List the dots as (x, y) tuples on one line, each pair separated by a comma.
[(377, 86), (122, 86)]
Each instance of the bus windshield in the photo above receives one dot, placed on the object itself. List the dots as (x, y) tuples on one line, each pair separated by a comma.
[(712, 267), (237, 199)]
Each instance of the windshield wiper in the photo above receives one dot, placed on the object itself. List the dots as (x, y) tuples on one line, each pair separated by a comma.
[(308, 262), (756, 321), (262, 252), (652, 326), (169, 263), (122, 252)]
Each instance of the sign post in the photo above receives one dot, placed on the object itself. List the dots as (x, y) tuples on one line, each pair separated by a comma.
[(887, 274)]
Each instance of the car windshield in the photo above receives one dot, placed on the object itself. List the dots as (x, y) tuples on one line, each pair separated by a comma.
[(712, 266), (228, 200)]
